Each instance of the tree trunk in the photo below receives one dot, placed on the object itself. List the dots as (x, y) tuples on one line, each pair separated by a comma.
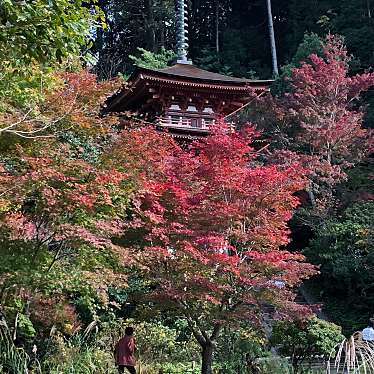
[(368, 8), (150, 25), (207, 358), (272, 39), (162, 36), (207, 343), (312, 198), (217, 26)]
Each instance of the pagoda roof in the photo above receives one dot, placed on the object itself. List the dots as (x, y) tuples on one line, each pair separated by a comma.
[(194, 73), (178, 75)]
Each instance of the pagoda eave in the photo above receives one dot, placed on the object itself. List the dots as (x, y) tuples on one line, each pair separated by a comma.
[(183, 99), (149, 88)]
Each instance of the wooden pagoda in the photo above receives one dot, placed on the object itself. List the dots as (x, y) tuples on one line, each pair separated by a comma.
[(182, 98)]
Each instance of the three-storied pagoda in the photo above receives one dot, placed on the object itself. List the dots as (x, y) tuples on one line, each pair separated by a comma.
[(183, 98)]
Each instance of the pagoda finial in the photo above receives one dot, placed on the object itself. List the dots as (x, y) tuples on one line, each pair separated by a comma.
[(182, 32)]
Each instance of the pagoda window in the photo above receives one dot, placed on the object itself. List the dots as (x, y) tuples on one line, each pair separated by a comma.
[(208, 110), (175, 107), (186, 122), (206, 122), (191, 108)]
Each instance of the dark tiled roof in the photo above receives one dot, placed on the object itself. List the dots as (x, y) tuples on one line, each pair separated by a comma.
[(193, 72), (182, 75)]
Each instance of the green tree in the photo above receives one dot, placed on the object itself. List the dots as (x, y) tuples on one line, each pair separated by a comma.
[(38, 35), (153, 60), (132, 24), (311, 44), (343, 248), (304, 340), (211, 61)]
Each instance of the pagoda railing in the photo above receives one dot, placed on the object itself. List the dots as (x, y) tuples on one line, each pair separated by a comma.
[(186, 123)]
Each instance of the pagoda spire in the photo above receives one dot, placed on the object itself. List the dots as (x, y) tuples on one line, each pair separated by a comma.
[(182, 32)]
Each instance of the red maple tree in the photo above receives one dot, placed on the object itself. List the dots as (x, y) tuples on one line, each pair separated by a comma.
[(321, 118), (322, 101), (212, 221)]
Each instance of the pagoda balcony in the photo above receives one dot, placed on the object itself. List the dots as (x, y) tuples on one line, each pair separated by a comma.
[(190, 124)]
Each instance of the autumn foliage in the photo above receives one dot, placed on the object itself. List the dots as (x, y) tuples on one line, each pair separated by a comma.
[(212, 222), (53, 192), (206, 225), (74, 101), (322, 101), (321, 119)]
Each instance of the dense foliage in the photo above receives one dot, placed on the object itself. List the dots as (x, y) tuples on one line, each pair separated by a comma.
[(303, 340), (205, 217), (318, 113), (242, 29), (321, 118), (63, 206), (36, 36), (344, 248), (104, 225)]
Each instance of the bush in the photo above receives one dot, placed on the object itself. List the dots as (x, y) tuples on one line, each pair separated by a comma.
[(76, 356), (156, 343), (303, 340), (238, 350)]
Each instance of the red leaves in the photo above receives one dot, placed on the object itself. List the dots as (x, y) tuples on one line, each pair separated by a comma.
[(19, 226), (199, 217), (209, 211), (320, 119), (54, 197), (321, 97)]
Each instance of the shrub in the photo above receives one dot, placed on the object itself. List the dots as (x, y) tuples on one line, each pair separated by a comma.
[(302, 340), (156, 343), (75, 356), (238, 350)]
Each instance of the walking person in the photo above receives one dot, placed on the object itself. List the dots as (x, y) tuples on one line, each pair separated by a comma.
[(368, 332), (124, 352)]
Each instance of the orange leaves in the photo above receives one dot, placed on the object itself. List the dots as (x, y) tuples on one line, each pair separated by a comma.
[(78, 102), (56, 197), (190, 217), (75, 104), (20, 226)]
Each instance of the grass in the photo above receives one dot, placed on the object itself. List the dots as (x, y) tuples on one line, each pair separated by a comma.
[(354, 356), (12, 359)]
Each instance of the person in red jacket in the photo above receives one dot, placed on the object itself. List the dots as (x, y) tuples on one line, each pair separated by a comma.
[(124, 352)]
